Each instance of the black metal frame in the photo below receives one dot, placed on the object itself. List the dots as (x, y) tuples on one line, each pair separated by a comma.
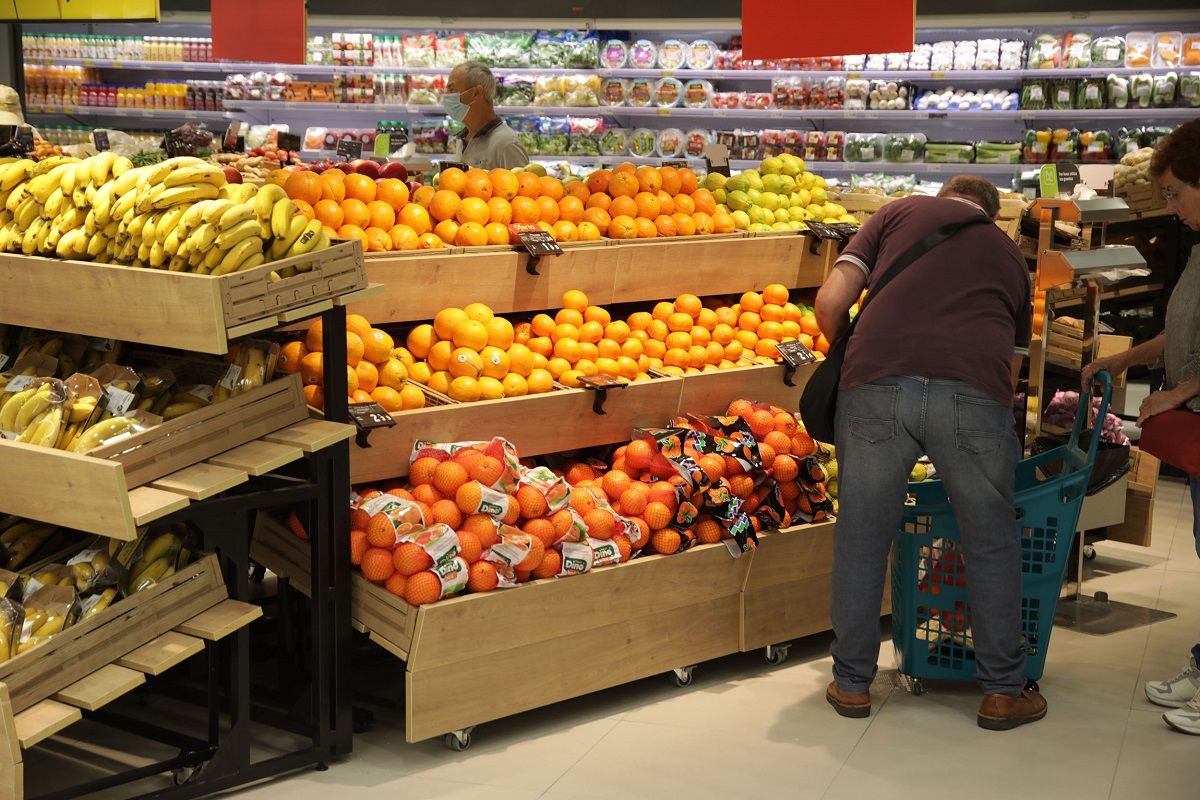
[(319, 494)]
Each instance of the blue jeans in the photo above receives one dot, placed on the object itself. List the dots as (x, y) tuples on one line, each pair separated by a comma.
[(882, 429)]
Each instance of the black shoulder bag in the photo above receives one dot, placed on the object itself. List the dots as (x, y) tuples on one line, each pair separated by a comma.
[(818, 403)]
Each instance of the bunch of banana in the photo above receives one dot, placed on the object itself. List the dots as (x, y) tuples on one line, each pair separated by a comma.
[(156, 563), (55, 577), (35, 414), (98, 434), (84, 572), (253, 361), (80, 415), (41, 625), (98, 603), (183, 399), (23, 539)]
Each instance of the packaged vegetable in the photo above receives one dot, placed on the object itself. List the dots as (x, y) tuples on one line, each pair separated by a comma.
[(702, 54), (672, 54), (1077, 50), (1037, 145), (554, 136), (670, 143), (585, 135), (1089, 93), (668, 92), (1190, 56), (1062, 93), (581, 90), (1108, 51), (1045, 52), (1118, 91), (1141, 90), (941, 57), (1165, 87), (1012, 54), (696, 140), (697, 94), (643, 142), (1189, 89), (643, 54), (1167, 49), (994, 152), (1034, 94), (1139, 49), (864, 147), (614, 142), (1095, 146), (614, 54), (987, 55), (420, 49), (514, 90), (614, 91), (425, 90), (949, 152), (964, 55), (641, 92), (1065, 144), (12, 619), (904, 147), (47, 612), (548, 91), (451, 50)]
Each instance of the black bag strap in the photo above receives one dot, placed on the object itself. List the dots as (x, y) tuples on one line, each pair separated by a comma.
[(930, 241)]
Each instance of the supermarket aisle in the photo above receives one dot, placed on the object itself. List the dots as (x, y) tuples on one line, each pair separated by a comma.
[(746, 729)]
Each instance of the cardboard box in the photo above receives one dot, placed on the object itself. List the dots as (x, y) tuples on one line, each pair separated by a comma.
[(1139, 501)]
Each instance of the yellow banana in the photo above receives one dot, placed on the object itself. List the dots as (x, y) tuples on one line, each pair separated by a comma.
[(240, 252), (281, 217), (101, 432), (242, 212), (195, 173), (296, 226), (245, 229), (216, 209), (267, 198)]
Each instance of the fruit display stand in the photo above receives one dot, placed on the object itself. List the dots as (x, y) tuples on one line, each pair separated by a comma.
[(213, 470)]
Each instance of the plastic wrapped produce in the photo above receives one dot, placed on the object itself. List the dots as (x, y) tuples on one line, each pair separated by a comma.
[(1141, 90), (987, 54), (1139, 49), (582, 90), (1034, 95), (554, 136), (643, 54), (1118, 91), (993, 152), (697, 139), (1095, 146), (420, 49), (672, 54), (857, 94), (527, 133), (1012, 54), (904, 147), (942, 56), (1190, 55), (949, 152), (864, 147), (614, 54), (1089, 93), (668, 92), (1165, 88), (697, 94), (1077, 50), (877, 62), (514, 90), (548, 91), (501, 48), (1045, 52), (1062, 93), (859, 63), (702, 54), (1167, 49), (890, 95), (614, 91), (670, 143), (451, 50), (614, 142), (643, 142), (642, 92), (1189, 89), (965, 53), (585, 135), (918, 59), (1066, 144), (1036, 149), (582, 49), (425, 90), (1108, 51), (897, 61)]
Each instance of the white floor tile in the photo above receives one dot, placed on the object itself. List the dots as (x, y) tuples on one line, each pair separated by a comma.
[(1156, 761)]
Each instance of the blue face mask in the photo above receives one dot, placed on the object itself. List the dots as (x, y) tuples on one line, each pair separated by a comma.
[(455, 108)]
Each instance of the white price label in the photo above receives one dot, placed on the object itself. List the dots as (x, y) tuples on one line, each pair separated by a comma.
[(119, 400), (202, 392), (18, 383), (230, 379)]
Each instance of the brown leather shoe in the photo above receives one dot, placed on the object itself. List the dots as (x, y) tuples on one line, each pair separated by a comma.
[(1000, 712), (855, 705)]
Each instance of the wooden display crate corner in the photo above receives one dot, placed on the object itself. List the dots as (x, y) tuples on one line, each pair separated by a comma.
[(711, 392), (1139, 500)]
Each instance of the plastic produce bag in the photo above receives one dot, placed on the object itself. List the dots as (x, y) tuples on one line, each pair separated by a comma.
[(48, 611), (1108, 51), (864, 147)]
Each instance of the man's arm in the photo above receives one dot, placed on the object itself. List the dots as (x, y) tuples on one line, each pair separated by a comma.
[(840, 291), (1017, 360)]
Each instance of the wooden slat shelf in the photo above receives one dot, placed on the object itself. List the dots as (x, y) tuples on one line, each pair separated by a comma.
[(101, 687), (200, 313), (221, 620), (161, 653), (418, 284)]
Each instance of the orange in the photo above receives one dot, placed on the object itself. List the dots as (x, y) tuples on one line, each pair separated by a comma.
[(775, 293), (771, 312), (354, 348), (569, 316), (448, 476), (354, 232), (470, 333), (473, 209), (623, 206), (622, 227), (525, 210), (377, 565), (666, 203), (704, 223), (733, 350), (499, 210), (305, 209), (749, 321), (598, 217), (355, 212), (378, 240), (679, 321), (589, 232), (597, 314), (479, 187), (623, 184), (444, 205), (528, 184), (471, 234), (290, 356), (684, 204), (304, 186), (598, 200), (332, 188), (360, 187), (600, 523), (550, 187), (392, 374), (565, 231), (770, 330), (452, 179), (751, 301), (671, 180), (649, 179), (646, 229), (447, 230), (416, 217), (688, 181), (482, 577), (423, 588), (424, 196), (547, 209), (392, 191), (382, 214), (684, 224), (598, 181), (377, 346), (570, 209), (313, 339), (497, 232), (330, 213), (312, 368), (578, 190), (403, 237), (504, 184), (722, 222), (648, 205), (388, 398), (368, 376)]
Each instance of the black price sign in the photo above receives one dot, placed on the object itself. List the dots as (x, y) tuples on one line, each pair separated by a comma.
[(174, 145), (1068, 176), (100, 139), (794, 353), (368, 416), (535, 240), (292, 141), (601, 382), (678, 163), (349, 149), (823, 231), (232, 134), (443, 165)]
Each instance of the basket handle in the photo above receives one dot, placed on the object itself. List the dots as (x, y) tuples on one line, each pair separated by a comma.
[(1083, 413)]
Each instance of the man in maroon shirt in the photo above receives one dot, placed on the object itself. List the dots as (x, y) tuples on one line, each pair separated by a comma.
[(931, 369)]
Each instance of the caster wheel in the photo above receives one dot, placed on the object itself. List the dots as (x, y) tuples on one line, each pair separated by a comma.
[(185, 775), (1089, 552), (775, 655), (458, 741), (682, 677), (918, 687)]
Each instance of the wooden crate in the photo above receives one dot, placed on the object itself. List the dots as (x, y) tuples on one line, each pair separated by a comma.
[(1139, 500), (711, 392), (536, 424), (105, 491), (1141, 198), (174, 309), (421, 283)]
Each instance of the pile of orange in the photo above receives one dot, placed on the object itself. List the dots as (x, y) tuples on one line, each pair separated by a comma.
[(376, 370), (473, 208), (783, 444)]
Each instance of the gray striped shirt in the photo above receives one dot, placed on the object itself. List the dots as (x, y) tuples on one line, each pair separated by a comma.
[(1181, 354)]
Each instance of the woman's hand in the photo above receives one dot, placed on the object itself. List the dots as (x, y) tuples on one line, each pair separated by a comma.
[(1158, 402), (1114, 364)]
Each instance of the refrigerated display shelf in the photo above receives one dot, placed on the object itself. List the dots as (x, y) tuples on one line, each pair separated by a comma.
[(126, 113)]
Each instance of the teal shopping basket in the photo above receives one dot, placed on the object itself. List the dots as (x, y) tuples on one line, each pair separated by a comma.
[(931, 615)]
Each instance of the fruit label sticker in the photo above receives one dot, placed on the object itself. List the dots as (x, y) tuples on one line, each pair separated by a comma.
[(453, 574), (576, 558), (100, 139), (349, 149), (795, 353), (604, 552), (403, 517), (230, 378), (19, 383), (513, 548), (202, 392), (119, 400)]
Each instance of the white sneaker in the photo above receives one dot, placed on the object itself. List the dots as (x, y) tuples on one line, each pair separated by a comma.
[(1176, 692), (1187, 718)]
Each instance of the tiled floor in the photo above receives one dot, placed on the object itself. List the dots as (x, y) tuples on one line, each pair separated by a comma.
[(745, 729)]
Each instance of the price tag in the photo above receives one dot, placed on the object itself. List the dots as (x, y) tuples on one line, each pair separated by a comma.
[(536, 241), (383, 145), (87, 62), (119, 400), (823, 231), (18, 383), (1048, 180), (367, 416), (174, 145), (202, 392), (854, 76), (117, 64), (230, 378), (678, 163), (716, 155), (937, 76), (601, 382), (444, 165), (795, 354), (664, 112), (349, 149), (100, 139), (292, 141)]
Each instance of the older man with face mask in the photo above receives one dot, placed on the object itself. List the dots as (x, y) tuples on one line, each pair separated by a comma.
[(470, 98)]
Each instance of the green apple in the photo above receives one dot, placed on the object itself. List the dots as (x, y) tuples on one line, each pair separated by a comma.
[(770, 201), (714, 181), (738, 200), (741, 220), (771, 166)]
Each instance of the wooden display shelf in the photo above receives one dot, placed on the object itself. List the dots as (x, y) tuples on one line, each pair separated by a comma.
[(711, 392), (113, 489), (200, 313), (101, 659), (422, 283)]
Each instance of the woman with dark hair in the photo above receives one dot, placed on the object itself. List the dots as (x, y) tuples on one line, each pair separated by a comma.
[(1176, 167)]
